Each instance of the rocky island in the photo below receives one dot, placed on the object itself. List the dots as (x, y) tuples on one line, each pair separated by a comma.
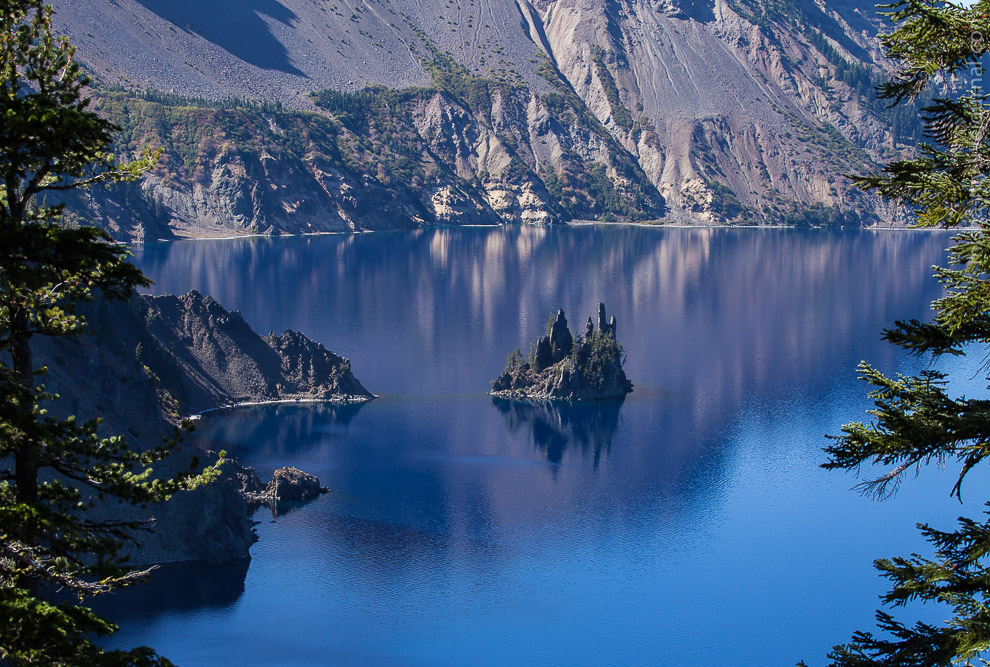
[(562, 367)]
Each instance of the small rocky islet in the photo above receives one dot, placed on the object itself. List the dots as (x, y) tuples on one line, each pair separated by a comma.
[(562, 367)]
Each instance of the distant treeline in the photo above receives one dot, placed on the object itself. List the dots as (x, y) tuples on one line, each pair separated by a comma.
[(819, 215), (170, 99), (905, 118)]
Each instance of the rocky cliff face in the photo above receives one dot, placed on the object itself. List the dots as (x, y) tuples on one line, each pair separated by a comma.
[(154, 359), (700, 111), (469, 150), (207, 356)]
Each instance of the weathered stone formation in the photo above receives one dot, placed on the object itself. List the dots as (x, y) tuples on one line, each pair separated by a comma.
[(561, 341), (606, 327), (560, 367), (287, 485), (292, 484), (556, 345)]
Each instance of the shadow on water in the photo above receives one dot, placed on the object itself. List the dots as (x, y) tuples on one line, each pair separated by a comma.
[(203, 587), (274, 434), (557, 425), (237, 27)]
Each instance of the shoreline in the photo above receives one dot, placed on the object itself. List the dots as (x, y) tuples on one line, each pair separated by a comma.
[(572, 223), (282, 401), (234, 237)]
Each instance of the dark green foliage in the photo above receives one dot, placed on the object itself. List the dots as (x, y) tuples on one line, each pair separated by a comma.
[(905, 118), (596, 356), (53, 469), (724, 200), (31, 627), (843, 153), (915, 420), (819, 215), (620, 114), (515, 361)]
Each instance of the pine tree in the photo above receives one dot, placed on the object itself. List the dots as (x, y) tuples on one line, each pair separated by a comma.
[(53, 469), (915, 420)]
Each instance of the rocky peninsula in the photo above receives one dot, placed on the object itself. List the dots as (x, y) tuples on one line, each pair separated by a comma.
[(562, 367), (152, 361)]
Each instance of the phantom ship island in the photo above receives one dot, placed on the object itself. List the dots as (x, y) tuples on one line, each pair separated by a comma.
[(561, 367)]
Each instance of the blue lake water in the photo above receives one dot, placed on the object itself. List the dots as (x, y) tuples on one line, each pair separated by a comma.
[(689, 524)]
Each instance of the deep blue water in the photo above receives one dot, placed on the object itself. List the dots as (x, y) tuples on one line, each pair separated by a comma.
[(689, 524)]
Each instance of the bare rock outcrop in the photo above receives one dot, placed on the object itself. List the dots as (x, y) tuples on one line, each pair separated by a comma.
[(294, 485), (207, 357), (288, 484)]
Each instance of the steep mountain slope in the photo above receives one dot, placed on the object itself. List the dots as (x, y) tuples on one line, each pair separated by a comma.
[(711, 111), (467, 151)]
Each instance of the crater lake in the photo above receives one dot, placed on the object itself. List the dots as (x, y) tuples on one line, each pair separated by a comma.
[(688, 524)]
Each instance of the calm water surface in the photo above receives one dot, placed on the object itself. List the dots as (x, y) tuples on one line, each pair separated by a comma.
[(686, 525)]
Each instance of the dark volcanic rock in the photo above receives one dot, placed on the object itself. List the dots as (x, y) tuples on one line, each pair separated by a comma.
[(591, 368), (245, 479), (288, 484), (294, 484), (561, 340), (221, 361), (153, 359)]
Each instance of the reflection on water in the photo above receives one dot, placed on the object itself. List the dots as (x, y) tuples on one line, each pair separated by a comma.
[(436, 311), (463, 530), (279, 432), (554, 425)]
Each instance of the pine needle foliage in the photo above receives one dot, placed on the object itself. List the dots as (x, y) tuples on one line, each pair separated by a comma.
[(915, 420), (52, 470)]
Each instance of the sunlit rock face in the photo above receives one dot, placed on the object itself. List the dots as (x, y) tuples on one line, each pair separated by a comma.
[(712, 111)]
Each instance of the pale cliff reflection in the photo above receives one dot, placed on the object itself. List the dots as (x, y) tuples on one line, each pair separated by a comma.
[(407, 308)]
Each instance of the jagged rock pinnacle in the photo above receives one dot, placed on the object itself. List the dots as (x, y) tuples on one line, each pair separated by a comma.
[(561, 340)]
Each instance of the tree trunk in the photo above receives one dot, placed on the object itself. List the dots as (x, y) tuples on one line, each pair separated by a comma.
[(26, 456)]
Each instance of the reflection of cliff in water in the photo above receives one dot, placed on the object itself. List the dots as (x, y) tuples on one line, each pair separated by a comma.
[(276, 432), (777, 305), (202, 587), (556, 425)]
